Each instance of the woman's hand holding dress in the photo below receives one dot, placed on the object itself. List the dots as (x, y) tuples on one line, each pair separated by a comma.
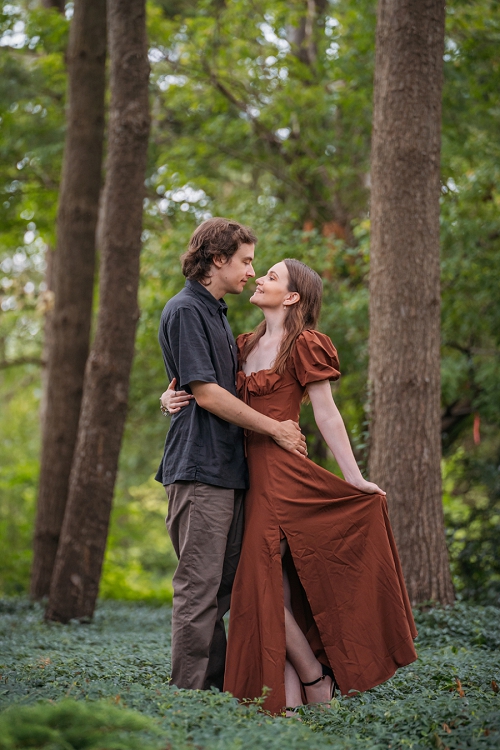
[(369, 487)]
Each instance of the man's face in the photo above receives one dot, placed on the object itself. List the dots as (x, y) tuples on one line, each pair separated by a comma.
[(234, 274)]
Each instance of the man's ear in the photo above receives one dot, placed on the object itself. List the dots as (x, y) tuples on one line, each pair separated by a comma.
[(219, 261)]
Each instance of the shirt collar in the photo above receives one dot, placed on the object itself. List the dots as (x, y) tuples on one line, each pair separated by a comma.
[(213, 305)]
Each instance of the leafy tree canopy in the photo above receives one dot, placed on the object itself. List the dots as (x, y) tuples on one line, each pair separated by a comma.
[(261, 112)]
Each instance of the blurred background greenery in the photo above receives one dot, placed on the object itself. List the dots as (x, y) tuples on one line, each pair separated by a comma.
[(242, 127)]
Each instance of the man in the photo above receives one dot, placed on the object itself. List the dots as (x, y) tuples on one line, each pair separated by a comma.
[(203, 467)]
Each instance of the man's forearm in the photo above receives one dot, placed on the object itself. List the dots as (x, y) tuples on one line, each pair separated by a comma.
[(223, 404)]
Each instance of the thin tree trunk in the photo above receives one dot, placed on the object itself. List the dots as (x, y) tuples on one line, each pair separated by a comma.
[(48, 302), (303, 37), (404, 373), (58, 4), (73, 278), (48, 326), (77, 571)]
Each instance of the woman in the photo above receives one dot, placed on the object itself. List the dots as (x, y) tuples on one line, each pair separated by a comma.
[(319, 597)]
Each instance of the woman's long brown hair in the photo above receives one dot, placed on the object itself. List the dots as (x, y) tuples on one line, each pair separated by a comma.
[(302, 315)]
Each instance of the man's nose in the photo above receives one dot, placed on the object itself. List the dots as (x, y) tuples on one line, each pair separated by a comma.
[(250, 271)]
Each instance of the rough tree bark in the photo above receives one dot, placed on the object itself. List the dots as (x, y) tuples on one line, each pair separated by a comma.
[(73, 278), (77, 571), (404, 370)]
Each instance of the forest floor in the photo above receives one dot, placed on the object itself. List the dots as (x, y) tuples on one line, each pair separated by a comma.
[(104, 686)]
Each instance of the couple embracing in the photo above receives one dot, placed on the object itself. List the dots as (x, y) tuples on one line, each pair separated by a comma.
[(307, 560)]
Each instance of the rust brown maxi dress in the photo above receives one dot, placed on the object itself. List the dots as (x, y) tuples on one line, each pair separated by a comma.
[(348, 591)]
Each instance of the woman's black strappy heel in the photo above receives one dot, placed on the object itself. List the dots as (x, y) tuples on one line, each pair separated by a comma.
[(326, 672)]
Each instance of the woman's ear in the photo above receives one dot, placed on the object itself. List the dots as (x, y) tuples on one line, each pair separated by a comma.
[(291, 299)]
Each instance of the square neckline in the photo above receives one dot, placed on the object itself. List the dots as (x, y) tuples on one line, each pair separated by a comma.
[(255, 372)]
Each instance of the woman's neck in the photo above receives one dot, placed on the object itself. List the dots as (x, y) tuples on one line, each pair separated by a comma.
[(275, 323), (264, 354)]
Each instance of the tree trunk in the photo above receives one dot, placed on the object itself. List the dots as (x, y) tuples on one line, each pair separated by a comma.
[(303, 37), (47, 307), (58, 4), (77, 571), (73, 275), (404, 373)]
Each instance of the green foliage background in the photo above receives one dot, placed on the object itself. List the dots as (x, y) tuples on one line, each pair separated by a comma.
[(243, 127)]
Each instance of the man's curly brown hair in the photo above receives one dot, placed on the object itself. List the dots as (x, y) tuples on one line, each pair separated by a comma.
[(215, 237)]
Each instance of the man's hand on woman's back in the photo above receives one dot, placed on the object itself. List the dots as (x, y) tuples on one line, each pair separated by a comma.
[(289, 437), (218, 401)]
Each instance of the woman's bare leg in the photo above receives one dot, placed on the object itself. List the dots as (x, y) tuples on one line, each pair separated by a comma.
[(292, 686), (293, 690), (300, 655)]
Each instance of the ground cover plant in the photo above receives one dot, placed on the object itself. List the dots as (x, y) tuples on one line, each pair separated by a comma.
[(208, 156), (104, 685)]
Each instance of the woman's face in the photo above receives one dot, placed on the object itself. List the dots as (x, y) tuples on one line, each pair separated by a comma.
[(272, 289)]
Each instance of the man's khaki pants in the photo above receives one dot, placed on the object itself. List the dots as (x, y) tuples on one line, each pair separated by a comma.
[(205, 524)]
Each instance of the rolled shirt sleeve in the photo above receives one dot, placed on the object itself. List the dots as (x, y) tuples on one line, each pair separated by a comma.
[(190, 348)]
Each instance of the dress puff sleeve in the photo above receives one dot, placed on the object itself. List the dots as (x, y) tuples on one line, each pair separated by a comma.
[(315, 358)]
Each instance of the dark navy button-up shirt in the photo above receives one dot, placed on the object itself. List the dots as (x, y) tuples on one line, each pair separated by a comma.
[(197, 344)]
